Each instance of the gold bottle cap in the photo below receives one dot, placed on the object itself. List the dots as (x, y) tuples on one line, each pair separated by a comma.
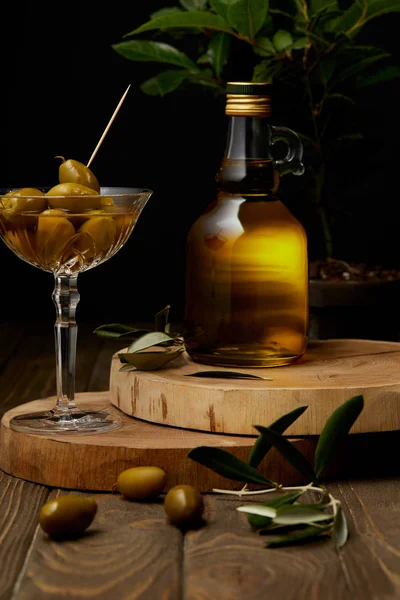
[(248, 99)]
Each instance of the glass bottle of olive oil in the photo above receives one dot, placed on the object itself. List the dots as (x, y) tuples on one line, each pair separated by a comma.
[(247, 265)]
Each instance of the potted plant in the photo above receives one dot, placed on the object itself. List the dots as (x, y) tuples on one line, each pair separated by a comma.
[(310, 51)]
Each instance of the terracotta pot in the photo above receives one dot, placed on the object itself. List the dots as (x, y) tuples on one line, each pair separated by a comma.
[(355, 309)]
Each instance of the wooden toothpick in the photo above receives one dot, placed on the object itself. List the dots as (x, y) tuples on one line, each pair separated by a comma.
[(108, 126)]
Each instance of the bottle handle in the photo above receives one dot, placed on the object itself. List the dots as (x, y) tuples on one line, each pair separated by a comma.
[(292, 161)]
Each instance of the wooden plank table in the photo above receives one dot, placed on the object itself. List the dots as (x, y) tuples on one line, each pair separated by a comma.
[(131, 552)]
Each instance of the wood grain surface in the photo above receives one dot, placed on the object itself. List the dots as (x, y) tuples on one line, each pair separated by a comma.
[(130, 552), (98, 459), (331, 372)]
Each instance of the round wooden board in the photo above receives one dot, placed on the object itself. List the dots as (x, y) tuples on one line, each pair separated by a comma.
[(331, 372), (93, 462)]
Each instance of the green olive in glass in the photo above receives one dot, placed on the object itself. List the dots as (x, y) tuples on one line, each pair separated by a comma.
[(141, 483), (20, 201), (184, 505), (73, 171), (68, 196), (67, 516)]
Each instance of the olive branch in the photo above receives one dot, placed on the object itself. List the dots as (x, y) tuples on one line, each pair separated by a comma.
[(287, 516)]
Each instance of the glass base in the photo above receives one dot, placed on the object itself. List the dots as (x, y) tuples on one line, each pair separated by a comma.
[(75, 422)]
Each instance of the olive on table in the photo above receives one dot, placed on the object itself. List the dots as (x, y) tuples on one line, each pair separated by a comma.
[(97, 235), (141, 483), (73, 171), (184, 505), (73, 197), (67, 516), (53, 233)]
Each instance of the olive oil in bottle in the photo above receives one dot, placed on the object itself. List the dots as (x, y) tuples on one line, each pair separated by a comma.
[(247, 265)]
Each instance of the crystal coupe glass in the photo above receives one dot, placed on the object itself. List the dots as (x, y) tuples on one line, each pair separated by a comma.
[(67, 235)]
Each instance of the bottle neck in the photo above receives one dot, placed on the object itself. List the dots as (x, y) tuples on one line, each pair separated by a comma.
[(247, 168), (248, 138)]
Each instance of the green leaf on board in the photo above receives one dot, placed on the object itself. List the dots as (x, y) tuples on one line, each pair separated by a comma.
[(150, 361), (335, 430), (226, 375), (221, 7), (247, 16), (261, 522), (218, 51), (205, 20), (128, 367), (169, 10), (282, 40), (286, 515), (117, 330), (155, 338), (161, 319), (264, 47), (147, 51), (299, 514), (262, 444), (164, 83), (384, 74), (298, 537), (340, 529), (289, 451), (226, 464), (194, 4)]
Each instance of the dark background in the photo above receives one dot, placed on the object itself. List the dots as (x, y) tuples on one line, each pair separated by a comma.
[(61, 82)]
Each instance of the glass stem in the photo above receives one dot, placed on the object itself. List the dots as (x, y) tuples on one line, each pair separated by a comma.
[(66, 298)]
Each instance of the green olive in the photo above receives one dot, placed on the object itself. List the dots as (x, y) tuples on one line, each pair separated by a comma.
[(73, 171), (67, 516), (68, 196), (21, 201), (97, 235), (184, 505), (53, 233), (141, 483)]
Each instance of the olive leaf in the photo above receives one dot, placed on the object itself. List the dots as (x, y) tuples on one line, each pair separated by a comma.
[(164, 82), (262, 444), (218, 51), (261, 522), (340, 530), (149, 361), (221, 7), (161, 319), (298, 537), (128, 367), (117, 330), (147, 51), (290, 452), (226, 375), (184, 19), (282, 40), (227, 465), (248, 16), (335, 430), (155, 338), (286, 515)]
